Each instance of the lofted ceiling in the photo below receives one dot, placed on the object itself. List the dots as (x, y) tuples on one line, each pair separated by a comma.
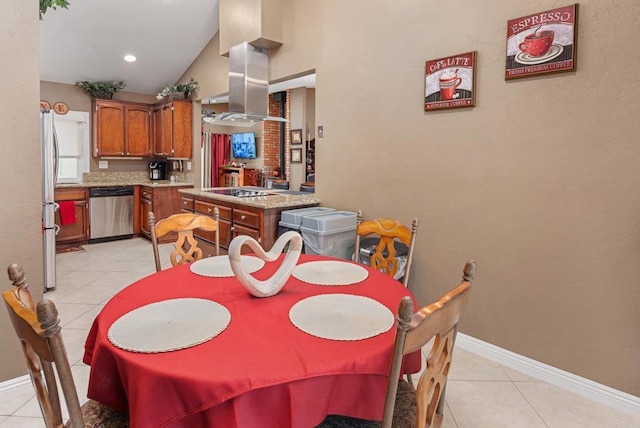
[(88, 41)]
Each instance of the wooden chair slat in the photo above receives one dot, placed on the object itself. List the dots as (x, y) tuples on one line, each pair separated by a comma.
[(186, 248)]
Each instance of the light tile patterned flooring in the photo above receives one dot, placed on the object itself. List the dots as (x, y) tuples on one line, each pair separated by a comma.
[(480, 393)]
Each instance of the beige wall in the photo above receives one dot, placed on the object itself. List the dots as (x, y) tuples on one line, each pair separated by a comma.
[(20, 171), (256, 21), (210, 70), (298, 121), (538, 182), (78, 100)]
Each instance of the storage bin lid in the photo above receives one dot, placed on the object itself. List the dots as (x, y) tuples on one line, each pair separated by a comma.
[(330, 222), (293, 218)]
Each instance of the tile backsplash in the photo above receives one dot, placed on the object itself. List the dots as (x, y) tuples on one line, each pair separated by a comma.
[(180, 177)]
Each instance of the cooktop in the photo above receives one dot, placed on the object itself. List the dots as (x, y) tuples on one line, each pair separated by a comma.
[(240, 193)]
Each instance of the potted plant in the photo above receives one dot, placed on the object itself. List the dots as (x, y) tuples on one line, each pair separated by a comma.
[(53, 4), (182, 91), (103, 90)]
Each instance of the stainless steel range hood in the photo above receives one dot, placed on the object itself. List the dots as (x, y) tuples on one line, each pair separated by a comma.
[(248, 88)]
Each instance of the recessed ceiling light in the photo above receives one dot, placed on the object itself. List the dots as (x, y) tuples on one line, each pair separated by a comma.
[(129, 58)]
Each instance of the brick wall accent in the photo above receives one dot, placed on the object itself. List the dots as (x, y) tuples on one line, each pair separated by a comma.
[(287, 133), (271, 138)]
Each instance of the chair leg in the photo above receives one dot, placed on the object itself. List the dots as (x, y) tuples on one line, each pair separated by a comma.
[(410, 380)]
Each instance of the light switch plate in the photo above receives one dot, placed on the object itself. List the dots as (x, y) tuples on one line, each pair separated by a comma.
[(320, 131), (103, 164), (188, 165)]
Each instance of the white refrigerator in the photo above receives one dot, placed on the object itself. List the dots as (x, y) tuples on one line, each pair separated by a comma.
[(49, 207)]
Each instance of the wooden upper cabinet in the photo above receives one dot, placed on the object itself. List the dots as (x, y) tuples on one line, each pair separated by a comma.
[(173, 129), (182, 129), (156, 134), (134, 129), (167, 130), (108, 128), (121, 128), (137, 132)]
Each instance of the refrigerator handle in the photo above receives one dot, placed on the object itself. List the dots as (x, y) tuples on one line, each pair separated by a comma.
[(55, 159)]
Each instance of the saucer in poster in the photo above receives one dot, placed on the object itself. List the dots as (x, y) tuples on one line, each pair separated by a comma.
[(554, 51)]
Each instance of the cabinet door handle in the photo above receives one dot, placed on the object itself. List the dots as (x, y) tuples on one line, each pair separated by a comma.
[(242, 217), (208, 210)]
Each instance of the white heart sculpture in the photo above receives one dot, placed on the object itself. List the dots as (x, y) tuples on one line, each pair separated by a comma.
[(274, 284)]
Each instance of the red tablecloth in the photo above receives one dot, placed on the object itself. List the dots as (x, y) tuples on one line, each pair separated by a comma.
[(260, 372)]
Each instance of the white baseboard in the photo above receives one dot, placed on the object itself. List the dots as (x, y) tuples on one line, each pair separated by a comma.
[(587, 388), (17, 382)]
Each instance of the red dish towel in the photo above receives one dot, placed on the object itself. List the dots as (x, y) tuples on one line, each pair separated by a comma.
[(67, 212)]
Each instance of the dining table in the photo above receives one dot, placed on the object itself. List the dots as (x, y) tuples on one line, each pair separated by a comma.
[(190, 347)]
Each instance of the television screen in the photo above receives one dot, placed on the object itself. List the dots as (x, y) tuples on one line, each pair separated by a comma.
[(243, 145)]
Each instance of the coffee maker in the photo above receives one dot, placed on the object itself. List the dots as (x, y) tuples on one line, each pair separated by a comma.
[(157, 170)]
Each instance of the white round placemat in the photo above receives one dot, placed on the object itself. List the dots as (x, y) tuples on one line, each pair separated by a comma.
[(219, 266), (341, 316), (330, 272), (169, 325)]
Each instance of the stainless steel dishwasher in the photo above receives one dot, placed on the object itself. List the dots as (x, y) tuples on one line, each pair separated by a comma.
[(110, 213)]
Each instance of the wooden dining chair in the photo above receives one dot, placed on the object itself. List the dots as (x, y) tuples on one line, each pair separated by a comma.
[(384, 258), (38, 329), (280, 184), (186, 248), (406, 407)]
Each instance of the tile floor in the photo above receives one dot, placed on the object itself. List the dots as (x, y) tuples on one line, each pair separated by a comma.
[(480, 393)]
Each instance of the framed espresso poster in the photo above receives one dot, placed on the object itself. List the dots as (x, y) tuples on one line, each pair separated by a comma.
[(450, 82), (542, 43)]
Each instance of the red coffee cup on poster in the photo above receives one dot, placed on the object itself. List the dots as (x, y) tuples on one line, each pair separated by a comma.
[(537, 43), (449, 82)]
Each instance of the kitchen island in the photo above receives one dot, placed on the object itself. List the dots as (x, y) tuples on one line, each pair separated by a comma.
[(252, 211)]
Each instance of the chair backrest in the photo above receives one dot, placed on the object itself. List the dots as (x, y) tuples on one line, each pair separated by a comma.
[(186, 248), (308, 187), (280, 184), (414, 330), (384, 257), (39, 332)]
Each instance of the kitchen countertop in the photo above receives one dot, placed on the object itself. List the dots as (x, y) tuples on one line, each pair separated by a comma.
[(276, 199), (149, 183)]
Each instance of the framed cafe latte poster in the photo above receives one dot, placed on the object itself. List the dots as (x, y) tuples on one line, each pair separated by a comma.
[(542, 43), (450, 82)]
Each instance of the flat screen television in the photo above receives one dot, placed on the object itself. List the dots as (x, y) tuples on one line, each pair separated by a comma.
[(243, 145)]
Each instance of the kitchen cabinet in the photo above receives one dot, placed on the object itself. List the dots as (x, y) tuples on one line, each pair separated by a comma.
[(206, 240), (224, 224), (163, 202), (156, 133), (173, 129), (238, 218), (246, 223), (108, 128), (78, 232), (187, 204), (137, 121), (121, 128)]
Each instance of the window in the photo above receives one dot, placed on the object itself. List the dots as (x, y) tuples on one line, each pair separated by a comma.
[(73, 145)]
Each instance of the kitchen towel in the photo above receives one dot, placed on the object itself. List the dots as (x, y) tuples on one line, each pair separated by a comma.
[(67, 212)]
